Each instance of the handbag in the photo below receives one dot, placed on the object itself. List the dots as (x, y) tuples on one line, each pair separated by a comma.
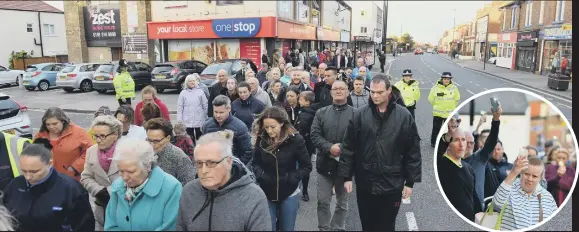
[(491, 219)]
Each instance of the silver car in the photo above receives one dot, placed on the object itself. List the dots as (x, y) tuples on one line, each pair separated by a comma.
[(14, 117), (76, 76)]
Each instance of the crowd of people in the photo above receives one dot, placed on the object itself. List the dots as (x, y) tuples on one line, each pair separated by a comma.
[(476, 176)]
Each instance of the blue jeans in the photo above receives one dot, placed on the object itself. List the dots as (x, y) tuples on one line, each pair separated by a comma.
[(288, 211)]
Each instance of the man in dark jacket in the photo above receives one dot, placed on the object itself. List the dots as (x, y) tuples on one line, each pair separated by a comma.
[(217, 89), (246, 107), (222, 120), (262, 74), (328, 130), (339, 60), (240, 75), (322, 88), (382, 59), (41, 199), (385, 158), (304, 126)]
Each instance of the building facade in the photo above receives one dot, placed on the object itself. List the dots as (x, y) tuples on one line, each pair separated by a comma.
[(40, 31), (367, 26)]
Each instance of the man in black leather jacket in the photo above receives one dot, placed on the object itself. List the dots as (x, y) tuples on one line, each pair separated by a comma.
[(385, 158)]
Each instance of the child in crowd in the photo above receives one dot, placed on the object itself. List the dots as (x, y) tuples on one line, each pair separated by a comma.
[(183, 140), (304, 126)]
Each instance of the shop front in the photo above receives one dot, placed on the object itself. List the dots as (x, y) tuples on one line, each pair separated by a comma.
[(526, 51), (210, 40), (329, 38), (345, 39), (556, 44), (366, 46), (294, 35), (103, 37), (506, 51)]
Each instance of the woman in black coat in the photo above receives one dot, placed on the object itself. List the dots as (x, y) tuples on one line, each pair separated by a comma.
[(280, 161)]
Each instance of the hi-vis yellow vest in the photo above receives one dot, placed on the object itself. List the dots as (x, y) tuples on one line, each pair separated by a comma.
[(14, 146), (442, 106), (124, 85)]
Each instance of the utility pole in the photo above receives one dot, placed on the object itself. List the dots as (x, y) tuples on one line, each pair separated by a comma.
[(385, 24), (486, 44)]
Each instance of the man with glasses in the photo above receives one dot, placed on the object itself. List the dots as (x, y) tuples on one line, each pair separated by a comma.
[(169, 157), (224, 193), (126, 115)]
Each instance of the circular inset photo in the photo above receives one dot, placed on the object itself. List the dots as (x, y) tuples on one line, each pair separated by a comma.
[(506, 160)]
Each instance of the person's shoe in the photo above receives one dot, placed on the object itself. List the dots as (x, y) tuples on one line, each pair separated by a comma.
[(305, 197)]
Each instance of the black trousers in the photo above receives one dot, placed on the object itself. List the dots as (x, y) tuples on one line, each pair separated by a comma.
[(378, 212), (127, 101), (194, 133), (382, 67), (436, 124)]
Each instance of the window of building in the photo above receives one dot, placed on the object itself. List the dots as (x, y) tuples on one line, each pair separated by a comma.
[(529, 14), (29, 27), (541, 12), (560, 11), (363, 30), (285, 9), (228, 2), (48, 29), (303, 10), (316, 16), (513, 17), (504, 26)]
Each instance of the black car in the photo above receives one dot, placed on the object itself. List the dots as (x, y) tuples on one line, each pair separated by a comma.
[(171, 75), (103, 77), (232, 66)]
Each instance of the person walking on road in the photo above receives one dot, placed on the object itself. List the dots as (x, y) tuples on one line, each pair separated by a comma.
[(328, 129), (124, 84), (219, 88), (192, 107), (409, 89), (444, 97), (382, 59), (383, 152), (149, 95), (247, 107)]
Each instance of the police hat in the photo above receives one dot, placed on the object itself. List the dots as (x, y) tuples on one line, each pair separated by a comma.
[(446, 75), (407, 72), (123, 63)]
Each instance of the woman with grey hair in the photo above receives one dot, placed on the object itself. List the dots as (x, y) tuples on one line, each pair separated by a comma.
[(69, 141), (192, 106), (145, 198), (99, 169), (6, 220)]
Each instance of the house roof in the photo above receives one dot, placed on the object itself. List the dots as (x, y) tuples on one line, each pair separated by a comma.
[(509, 3), (36, 6), (513, 103)]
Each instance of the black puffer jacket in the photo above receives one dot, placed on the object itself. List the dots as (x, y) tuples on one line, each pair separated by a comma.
[(387, 148), (276, 173), (328, 129), (304, 126)]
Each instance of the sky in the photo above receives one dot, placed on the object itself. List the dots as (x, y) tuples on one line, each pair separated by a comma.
[(426, 21)]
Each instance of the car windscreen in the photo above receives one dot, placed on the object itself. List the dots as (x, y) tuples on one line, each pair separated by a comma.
[(212, 69), (67, 69), (31, 68), (7, 104), (162, 68), (105, 68)]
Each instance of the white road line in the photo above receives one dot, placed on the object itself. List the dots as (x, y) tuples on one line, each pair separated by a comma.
[(476, 84), (470, 81), (564, 105), (485, 88), (456, 84), (412, 226), (470, 92)]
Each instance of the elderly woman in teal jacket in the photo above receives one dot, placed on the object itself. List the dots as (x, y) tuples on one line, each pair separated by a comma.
[(145, 198)]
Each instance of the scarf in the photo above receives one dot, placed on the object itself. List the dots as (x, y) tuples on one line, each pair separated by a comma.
[(133, 192), (105, 157)]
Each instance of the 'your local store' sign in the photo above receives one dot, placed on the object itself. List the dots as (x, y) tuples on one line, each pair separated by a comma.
[(218, 28)]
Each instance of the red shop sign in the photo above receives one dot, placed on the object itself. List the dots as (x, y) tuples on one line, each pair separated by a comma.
[(251, 49)]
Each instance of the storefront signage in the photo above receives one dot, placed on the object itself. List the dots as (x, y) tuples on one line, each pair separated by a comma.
[(345, 36), (288, 30), (102, 25), (135, 43), (556, 33), (251, 48), (327, 34), (527, 36), (213, 29), (236, 28)]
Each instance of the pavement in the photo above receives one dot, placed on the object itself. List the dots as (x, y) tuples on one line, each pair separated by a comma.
[(426, 210)]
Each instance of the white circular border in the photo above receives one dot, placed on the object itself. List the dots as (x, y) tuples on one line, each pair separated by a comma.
[(456, 111)]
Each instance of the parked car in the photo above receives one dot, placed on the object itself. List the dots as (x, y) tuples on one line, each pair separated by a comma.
[(42, 76), (10, 77), (102, 79), (77, 76), (232, 66), (14, 117), (418, 51), (171, 75)]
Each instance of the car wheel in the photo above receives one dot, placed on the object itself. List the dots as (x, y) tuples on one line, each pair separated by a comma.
[(30, 88), (43, 85), (68, 90), (160, 90), (86, 86), (18, 80), (101, 91)]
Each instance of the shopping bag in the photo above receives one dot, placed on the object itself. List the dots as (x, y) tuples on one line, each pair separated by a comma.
[(490, 219)]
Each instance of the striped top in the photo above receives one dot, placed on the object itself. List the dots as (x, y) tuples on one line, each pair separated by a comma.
[(522, 209)]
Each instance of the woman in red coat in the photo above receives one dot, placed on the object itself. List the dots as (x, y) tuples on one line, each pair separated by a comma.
[(149, 94)]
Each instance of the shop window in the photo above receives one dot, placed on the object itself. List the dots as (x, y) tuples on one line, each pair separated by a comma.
[(565, 48), (509, 52), (559, 16), (363, 30), (285, 9)]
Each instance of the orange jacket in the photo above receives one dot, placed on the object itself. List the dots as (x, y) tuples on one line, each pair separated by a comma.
[(69, 149)]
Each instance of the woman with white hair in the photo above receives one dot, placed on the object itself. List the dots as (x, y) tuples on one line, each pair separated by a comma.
[(192, 106), (145, 198), (99, 169)]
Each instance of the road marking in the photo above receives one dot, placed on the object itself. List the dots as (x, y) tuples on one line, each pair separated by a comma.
[(476, 84), (412, 226), (470, 92), (456, 84), (563, 105)]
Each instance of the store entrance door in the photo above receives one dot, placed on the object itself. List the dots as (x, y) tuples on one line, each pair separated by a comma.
[(526, 59)]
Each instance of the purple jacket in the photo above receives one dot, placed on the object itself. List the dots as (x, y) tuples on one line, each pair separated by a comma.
[(192, 107), (559, 186)]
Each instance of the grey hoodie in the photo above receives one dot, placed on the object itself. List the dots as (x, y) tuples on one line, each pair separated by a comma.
[(240, 205), (360, 100), (262, 96)]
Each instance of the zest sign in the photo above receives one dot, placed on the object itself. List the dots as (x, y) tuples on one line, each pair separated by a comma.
[(213, 29)]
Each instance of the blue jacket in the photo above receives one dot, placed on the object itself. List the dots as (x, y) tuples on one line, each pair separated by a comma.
[(247, 110), (56, 203), (241, 138), (154, 208), (356, 71)]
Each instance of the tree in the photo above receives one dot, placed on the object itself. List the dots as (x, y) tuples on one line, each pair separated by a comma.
[(407, 39)]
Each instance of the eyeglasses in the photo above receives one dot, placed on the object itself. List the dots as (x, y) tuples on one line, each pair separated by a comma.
[(470, 143), (339, 89), (209, 164), (155, 141), (102, 137)]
